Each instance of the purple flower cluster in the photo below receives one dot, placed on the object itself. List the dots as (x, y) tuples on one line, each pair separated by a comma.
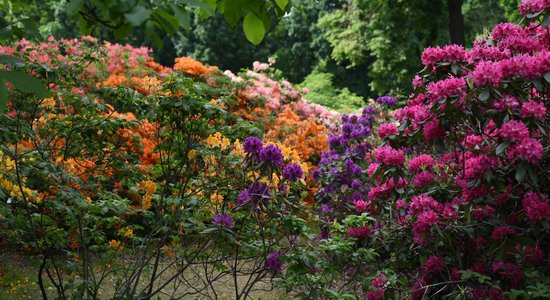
[(273, 261), (273, 155), (255, 194), (253, 145), (293, 172), (342, 167), (387, 100), (270, 153), (223, 220)]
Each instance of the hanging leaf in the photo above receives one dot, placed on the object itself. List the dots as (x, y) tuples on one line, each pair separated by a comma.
[(281, 3), (74, 7), (137, 15), (183, 17), (24, 82), (253, 28), (232, 12)]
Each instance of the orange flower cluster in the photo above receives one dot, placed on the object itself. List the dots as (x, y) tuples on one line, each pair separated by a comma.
[(191, 66), (308, 137)]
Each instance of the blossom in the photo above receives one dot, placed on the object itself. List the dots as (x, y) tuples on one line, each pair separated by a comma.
[(514, 131), (387, 129), (389, 156), (432, 130), (273, 261), (293, 172), (252, 145), (509, 272), (449, 53), (272, 154), (536, 206), (533, 109), (533, 6), (360, 206), (424, 202), (387, 100), (362, 232), (434, 265), (423, 179), (420, 162), (446, 88), (487, 73), (528, 149), (223, 220), (424, 222), (533, 255), (191, 66), (500, 232)]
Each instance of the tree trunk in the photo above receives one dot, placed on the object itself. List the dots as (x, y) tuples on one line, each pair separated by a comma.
[(456, 22)]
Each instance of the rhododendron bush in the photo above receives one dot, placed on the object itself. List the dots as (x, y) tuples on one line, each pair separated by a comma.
[(449, 199)]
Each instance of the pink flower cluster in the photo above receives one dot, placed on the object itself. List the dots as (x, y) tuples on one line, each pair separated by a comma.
[(424, 202), (446, 88), (536, 206), (533, 109), (362, 232), (434, 265), (514, 131), (377, 291), (389, 156), (524, 147), (482, 52), (387, 129), (524, 66), (421, 162), (450, 53), (533, 6), (477, 165)]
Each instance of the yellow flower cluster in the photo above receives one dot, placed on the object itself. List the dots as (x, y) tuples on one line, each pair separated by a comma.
[(217, 141), (9, 188), (238, 149)]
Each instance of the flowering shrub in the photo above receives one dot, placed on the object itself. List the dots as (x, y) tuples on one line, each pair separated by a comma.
[(453, 201), (130, 159)]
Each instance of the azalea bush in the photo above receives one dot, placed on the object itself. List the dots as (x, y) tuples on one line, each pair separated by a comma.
[(146, 176)]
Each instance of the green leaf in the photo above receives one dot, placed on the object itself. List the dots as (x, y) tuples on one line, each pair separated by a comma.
[(123, 31), (183, 17), (253, 28), (547, 77), (546, 21), (7, 59), (74, 7), (3, 96), (84, 26), (167, 22), (206, 13), (502, 147), (538, 85), (281, 3), (521, 172), (484, 95), (137, 15), (25, 82), (232, 12)]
